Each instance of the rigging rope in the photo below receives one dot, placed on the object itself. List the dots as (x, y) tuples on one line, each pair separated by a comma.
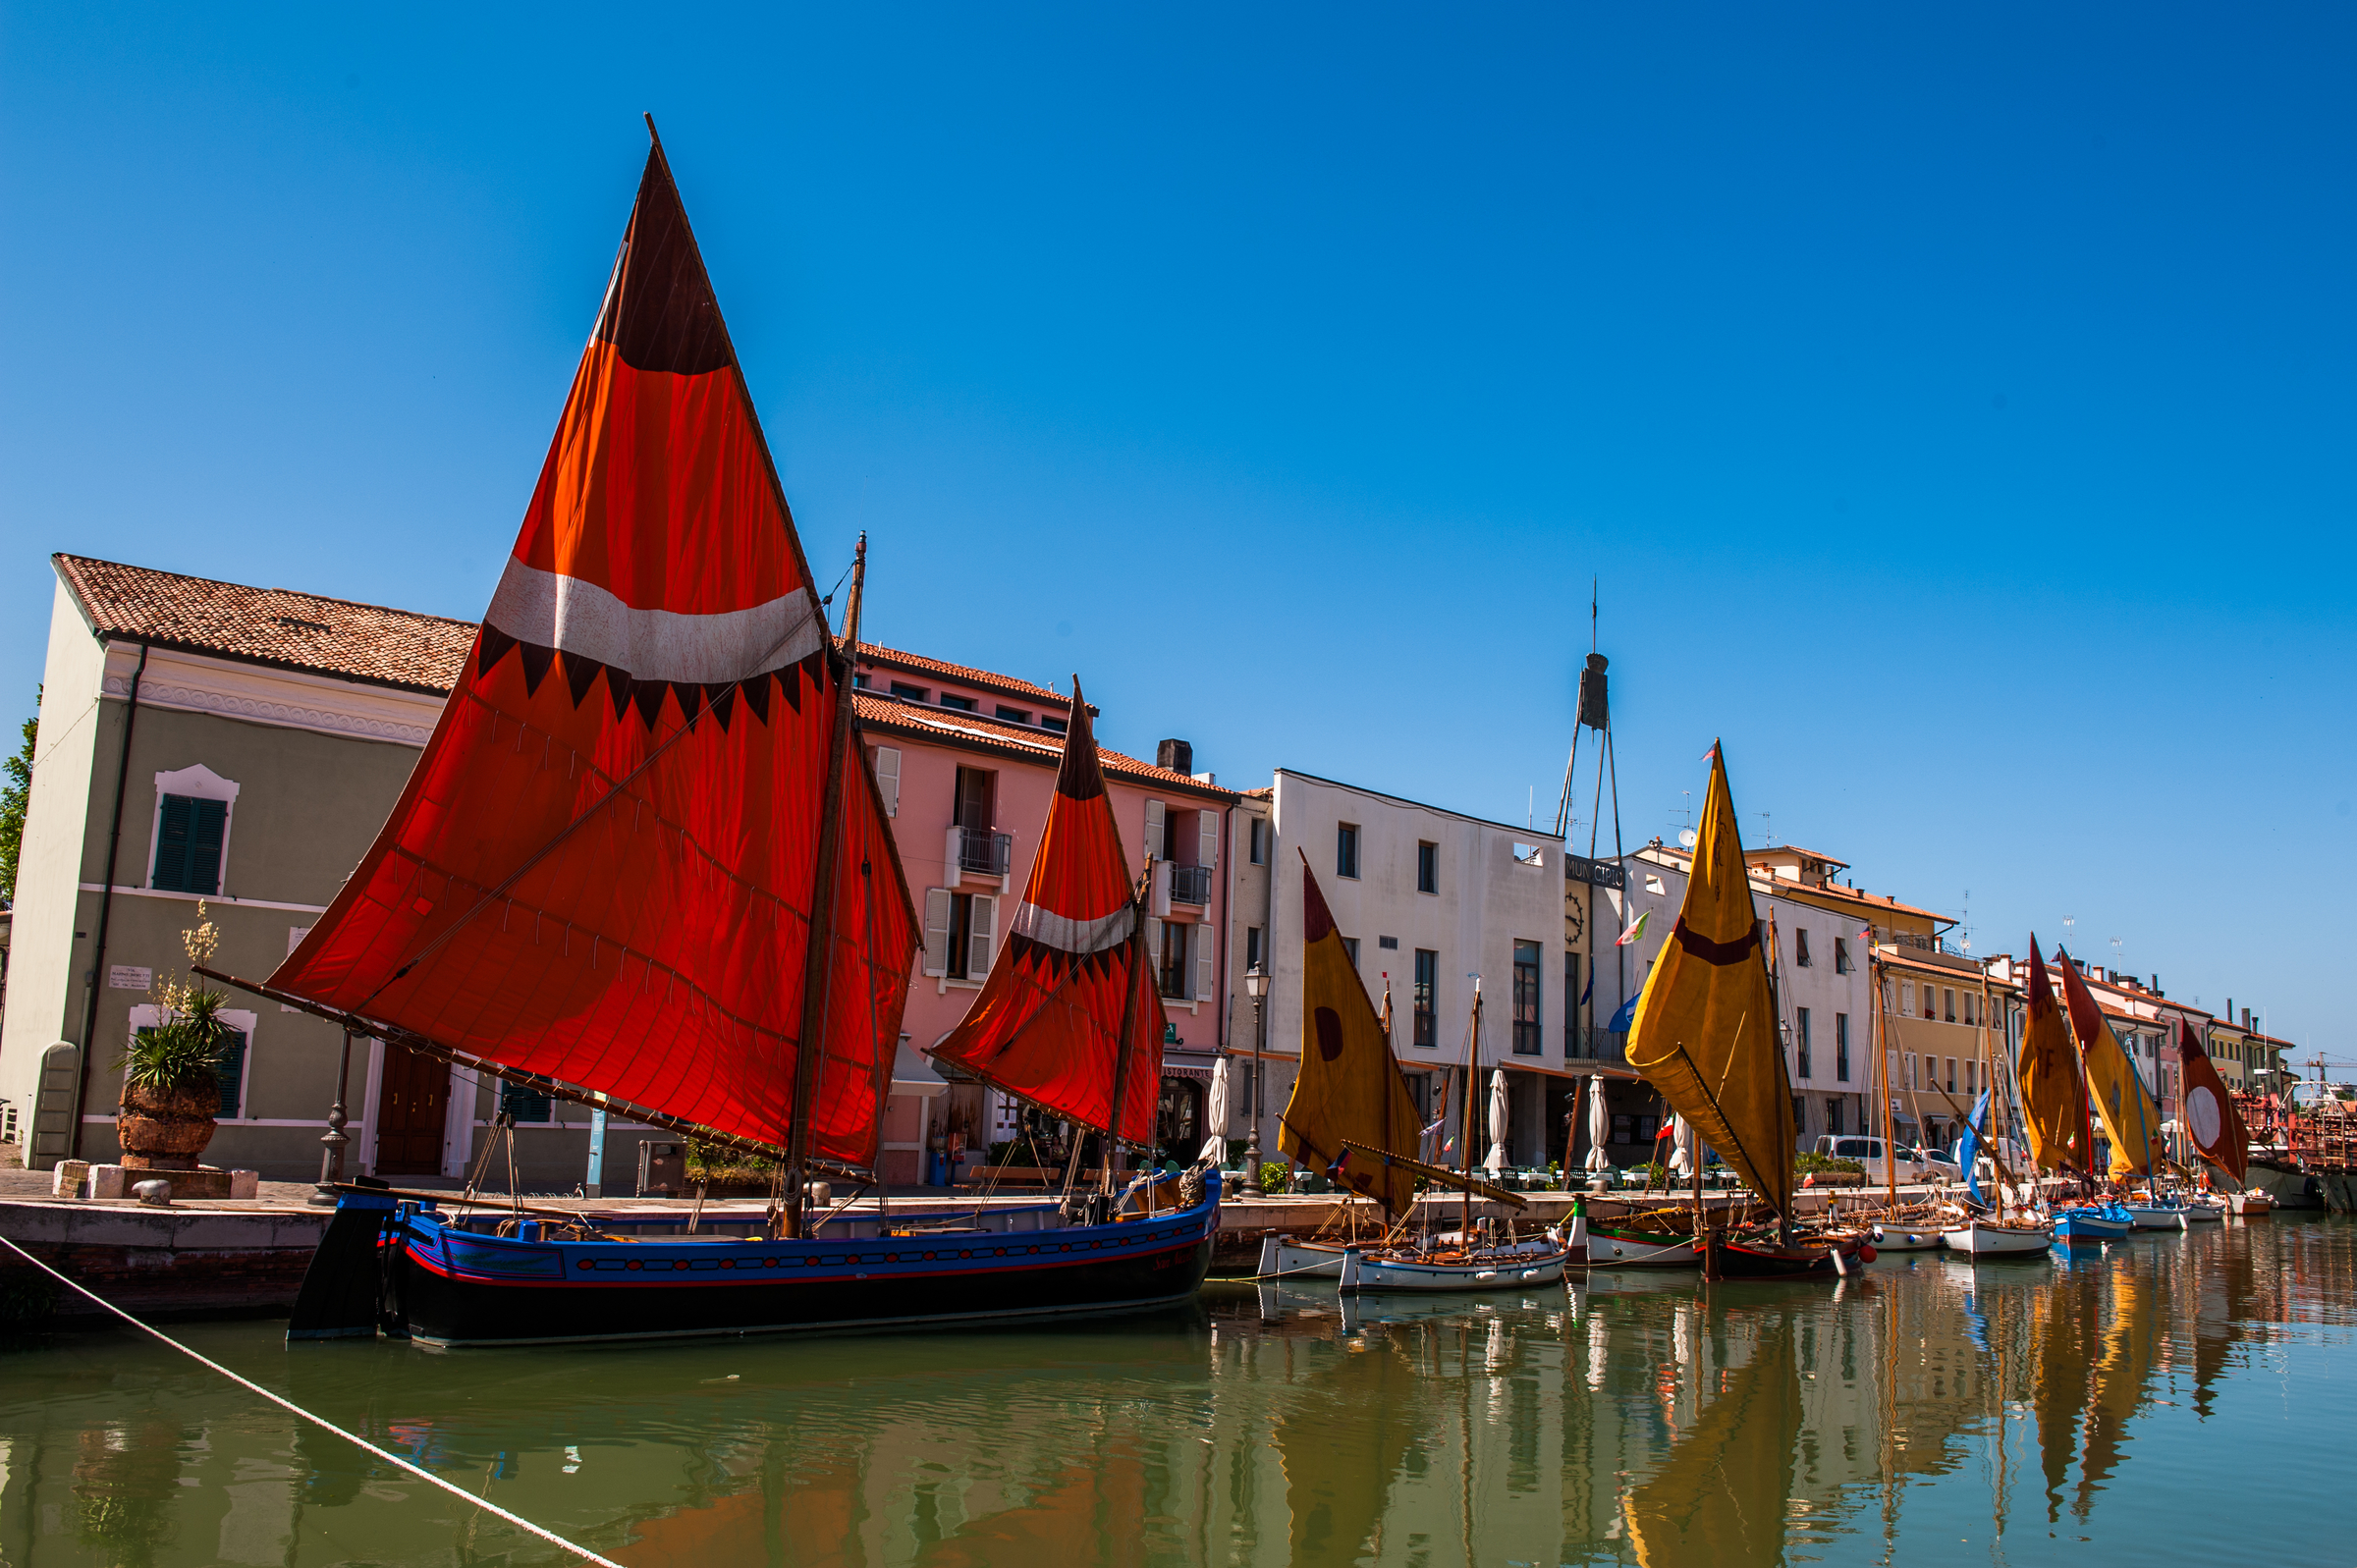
[(519, 1522)]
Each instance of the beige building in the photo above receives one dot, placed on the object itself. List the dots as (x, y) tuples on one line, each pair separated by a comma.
[(233, 746)]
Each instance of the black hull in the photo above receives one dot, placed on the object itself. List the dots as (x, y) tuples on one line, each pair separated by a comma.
[(448, 1285)]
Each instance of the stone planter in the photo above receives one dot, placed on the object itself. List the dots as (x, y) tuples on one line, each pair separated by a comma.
[(166, 1129)]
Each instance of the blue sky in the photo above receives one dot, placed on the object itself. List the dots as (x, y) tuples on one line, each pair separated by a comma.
[(1955, 406)]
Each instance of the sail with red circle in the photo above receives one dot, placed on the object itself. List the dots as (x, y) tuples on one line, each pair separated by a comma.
[(1049, 1025), (604, 867), (2210, 1119)]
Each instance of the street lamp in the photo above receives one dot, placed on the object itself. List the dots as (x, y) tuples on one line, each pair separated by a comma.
[(331, 1157), (1256, 985)]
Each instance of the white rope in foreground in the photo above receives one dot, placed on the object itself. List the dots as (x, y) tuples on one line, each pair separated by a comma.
[(422, 1473)]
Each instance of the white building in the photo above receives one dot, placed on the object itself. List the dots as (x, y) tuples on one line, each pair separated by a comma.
[(1427, 899)]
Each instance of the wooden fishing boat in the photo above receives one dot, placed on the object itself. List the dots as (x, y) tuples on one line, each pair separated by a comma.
[(1705, 1036), (644, 865), (1612, 1246), (1989, 1238), (2251, 1204), (1490, 1269), (1351, 1111), (2092, 1223)]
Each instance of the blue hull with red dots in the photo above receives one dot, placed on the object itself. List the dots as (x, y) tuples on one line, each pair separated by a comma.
[(445, 1281)]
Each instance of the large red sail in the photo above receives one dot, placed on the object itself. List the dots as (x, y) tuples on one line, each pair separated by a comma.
[(603, 867), (1048, 1023)]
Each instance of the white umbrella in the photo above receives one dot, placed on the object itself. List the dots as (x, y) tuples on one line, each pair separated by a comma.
[(1600, 1126), (1497, 1159), (1215, 1146), (1681, 1156)]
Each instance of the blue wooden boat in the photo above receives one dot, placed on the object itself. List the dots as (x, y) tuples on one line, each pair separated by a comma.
[(446, 1280), (2103, 1222)]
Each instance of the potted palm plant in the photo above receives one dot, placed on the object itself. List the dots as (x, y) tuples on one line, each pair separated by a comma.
[(172, 1072)]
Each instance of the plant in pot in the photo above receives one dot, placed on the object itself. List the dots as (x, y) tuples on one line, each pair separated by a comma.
[(172, 1072)]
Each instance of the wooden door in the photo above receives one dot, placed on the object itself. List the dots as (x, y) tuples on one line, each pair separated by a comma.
[(413, 1095)]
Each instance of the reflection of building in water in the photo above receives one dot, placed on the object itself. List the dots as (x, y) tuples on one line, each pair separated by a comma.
[(1625, 1420)]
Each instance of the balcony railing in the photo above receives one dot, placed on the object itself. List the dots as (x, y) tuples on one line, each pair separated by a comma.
[(983, 852), (1609, 1046), (1191, 885)]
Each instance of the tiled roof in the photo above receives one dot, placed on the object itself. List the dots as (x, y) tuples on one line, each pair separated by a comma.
[(1795, 850), (1684, 860), (269, 625), (894, 657), (954, 729)]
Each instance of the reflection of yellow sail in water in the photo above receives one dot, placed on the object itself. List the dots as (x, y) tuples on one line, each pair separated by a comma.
[(2123, 1361), (1719, 1499), (1340, 1444), (2060, 1372)]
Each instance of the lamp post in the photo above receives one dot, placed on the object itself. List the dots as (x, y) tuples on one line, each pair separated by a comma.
[(1256, 985), (331, 1157)]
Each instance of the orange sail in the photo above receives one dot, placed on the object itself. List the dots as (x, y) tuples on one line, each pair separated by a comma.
[(2122, 1103), (605, 866), (2054, 1099), (1070, 1008)]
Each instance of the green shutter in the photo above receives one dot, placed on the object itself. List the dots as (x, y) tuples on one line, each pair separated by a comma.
[(524, 1105), (187, 847), (232, 1069)]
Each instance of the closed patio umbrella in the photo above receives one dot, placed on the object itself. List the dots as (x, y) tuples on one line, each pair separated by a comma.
[(1215, 1146), (1600, 1126), (1498, 1122)]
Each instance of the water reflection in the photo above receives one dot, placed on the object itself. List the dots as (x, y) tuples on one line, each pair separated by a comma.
[(2019, 1407)]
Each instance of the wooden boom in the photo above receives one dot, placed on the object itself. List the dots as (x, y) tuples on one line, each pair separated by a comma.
[(1439, 1174)]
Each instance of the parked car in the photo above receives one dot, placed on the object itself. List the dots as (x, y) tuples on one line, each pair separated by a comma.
[(1937, 1165), (1868, 1152)]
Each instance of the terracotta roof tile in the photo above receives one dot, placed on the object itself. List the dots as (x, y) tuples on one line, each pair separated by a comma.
[(953, 728), (966, 675), (1795, 850), (269, 625)]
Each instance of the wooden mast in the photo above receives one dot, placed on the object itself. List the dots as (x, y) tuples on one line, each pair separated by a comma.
[(1879, 1031), (1141, 958), (1472, 1088), (818, 970)]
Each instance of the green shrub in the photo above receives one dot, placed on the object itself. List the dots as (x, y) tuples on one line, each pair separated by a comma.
[(1808, 1161), (1275, 1176)]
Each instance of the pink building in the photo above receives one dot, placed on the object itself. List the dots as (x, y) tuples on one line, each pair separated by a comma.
[(967, 761)]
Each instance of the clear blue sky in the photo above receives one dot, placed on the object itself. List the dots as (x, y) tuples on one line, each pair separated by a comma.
[(1956, 407)]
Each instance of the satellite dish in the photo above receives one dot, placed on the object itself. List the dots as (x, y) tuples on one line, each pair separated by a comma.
[(1685, 836)]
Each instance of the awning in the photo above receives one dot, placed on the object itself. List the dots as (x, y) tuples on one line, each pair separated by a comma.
[(913, 1073), (1188, 1065)]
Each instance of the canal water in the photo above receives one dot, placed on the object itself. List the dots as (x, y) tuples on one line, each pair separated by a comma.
[(2170, 1398)]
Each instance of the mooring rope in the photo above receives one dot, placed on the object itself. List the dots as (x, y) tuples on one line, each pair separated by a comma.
[(520, 1523)]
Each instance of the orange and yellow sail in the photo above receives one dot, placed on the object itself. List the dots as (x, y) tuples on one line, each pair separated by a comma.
[(2054, 1106), (2126, 1107)]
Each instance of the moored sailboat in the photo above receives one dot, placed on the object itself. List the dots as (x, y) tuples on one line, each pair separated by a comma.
[(642, 865), (1705, 1036)]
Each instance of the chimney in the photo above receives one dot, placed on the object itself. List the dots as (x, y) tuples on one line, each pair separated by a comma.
[(1176, 755)]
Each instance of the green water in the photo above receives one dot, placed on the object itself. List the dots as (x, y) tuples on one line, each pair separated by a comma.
[(2181, 1397)]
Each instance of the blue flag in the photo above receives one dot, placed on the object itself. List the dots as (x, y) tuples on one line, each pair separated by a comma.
[(1968, 1147), (1628, 1012)]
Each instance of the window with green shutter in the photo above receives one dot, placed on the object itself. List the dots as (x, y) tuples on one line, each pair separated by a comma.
[(524, 1105), (230, 1066), (187, 845)]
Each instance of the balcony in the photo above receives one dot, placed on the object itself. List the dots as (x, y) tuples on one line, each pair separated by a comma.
[(982, 852), (1191, 885), (1607, 1046)]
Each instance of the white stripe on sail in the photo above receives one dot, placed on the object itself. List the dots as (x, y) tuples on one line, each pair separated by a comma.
[(552, 611), (1074, 936)]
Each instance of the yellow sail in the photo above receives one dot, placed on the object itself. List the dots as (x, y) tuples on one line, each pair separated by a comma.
[(1704, 1032), (2130, 1119), (1349, 1088), (2052, 1109)]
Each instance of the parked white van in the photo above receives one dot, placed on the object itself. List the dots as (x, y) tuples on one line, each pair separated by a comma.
[(1868, 1152)]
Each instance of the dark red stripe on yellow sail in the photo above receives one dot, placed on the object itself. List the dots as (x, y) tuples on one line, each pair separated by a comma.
[(603, 865)]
